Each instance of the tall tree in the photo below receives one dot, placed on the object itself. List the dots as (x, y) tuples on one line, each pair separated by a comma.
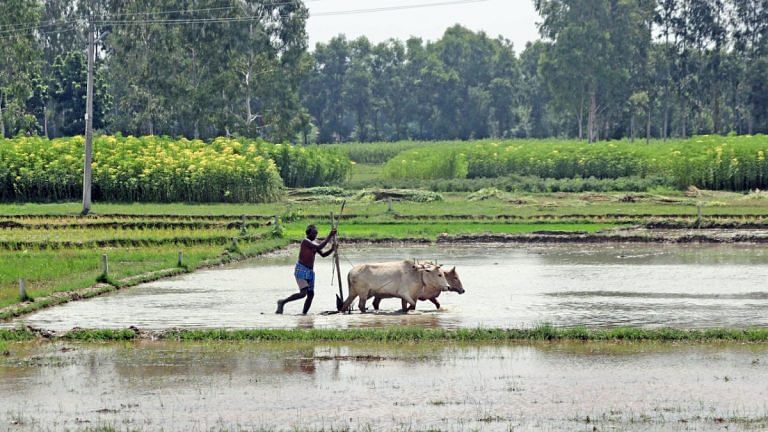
[(750, 33), (19, 64)]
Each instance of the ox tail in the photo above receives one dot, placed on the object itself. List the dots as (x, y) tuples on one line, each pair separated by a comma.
[(352, 294)]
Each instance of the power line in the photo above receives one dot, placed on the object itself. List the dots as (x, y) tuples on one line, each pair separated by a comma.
[(33, 26), (182, 20), (7, 28), (13, 35), (396, 8), (168, 12), (251, 18), (232, 19)]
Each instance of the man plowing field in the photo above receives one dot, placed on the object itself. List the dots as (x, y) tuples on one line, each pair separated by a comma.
[(304, 271)]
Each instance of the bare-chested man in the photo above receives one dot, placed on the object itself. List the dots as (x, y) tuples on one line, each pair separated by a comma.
[(305, 275)]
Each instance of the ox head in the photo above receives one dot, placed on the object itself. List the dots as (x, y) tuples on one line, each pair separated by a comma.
[(453, 281), (433, 276)]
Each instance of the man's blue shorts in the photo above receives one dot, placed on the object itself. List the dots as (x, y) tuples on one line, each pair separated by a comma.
[(305, 277)]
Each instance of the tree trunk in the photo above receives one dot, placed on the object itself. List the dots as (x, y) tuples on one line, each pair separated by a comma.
[(632, 127), (648, 127), (2, 120), (716, 113), (683, 119), (45, 121), (581, 118), (592, 120)]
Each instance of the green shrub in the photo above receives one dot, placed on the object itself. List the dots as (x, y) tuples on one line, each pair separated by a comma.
[(527, 184), (412, 195), (485, 194)]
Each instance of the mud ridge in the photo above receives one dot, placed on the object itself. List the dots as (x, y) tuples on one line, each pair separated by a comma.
[(634, 235)]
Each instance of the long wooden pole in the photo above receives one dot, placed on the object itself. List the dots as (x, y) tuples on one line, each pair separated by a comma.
[(338, 267), (335, 222), (88, 160)]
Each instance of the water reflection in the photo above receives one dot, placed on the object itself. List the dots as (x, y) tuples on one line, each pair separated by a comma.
[(449, 387)]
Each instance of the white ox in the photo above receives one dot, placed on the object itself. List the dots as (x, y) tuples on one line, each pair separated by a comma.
[(403, 279), (431, 294)]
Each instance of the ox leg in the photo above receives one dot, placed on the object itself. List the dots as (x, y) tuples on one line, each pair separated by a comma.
[(435, 302), (407, 298), (361, 304), (376, 303), (348, 302)]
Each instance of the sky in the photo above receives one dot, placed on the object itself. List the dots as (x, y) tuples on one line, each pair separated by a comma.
[(514, 19)]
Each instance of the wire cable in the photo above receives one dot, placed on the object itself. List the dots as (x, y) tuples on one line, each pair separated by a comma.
[(396, 8), (234, 19)]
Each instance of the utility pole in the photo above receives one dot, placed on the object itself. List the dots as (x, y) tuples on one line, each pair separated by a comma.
[(87, 167)]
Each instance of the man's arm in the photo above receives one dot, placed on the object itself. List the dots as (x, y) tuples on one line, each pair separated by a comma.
[(326, 253), (324, 243)]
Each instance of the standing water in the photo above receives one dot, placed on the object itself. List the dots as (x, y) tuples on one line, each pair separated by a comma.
[(506, 286), (151, 386)]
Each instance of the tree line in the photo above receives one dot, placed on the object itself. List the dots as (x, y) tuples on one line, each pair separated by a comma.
[(602, 69)]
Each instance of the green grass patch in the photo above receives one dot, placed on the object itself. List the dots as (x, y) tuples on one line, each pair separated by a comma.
[(454, 203), (100, 335), (366, 173), (49, 272), (16, 335), (416, 334)]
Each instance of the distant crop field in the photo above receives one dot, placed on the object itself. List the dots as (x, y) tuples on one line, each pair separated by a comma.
[(162, 169), (708, 162)]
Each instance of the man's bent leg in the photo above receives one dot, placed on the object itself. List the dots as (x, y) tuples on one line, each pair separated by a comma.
[(298, 296), (308, 301)]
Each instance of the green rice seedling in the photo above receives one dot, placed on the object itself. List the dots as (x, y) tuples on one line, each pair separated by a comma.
[(543, 333)]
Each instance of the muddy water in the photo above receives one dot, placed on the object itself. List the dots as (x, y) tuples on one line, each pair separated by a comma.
[(161, 386), (592, 285)]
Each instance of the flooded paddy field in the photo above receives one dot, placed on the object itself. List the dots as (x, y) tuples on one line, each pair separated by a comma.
[(544, 386), (693, 286)]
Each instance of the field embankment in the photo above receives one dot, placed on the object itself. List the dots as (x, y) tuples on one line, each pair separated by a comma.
[(401, 335)]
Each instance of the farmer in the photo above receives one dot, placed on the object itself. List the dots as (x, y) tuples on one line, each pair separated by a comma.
[(305, 275)]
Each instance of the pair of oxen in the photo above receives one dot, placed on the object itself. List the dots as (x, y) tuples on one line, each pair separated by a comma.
[(407, 280)]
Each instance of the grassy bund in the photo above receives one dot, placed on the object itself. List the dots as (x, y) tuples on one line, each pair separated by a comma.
[(407, 335)]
